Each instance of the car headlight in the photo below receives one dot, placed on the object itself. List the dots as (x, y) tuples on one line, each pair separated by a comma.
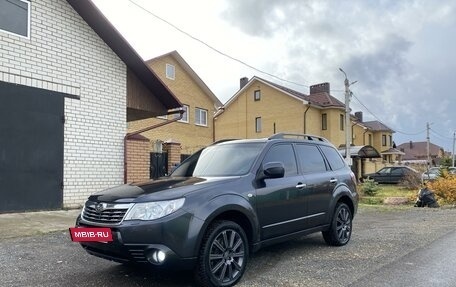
[(154, 210)]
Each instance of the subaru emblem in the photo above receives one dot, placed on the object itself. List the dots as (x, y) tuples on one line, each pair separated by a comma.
[(100, 207)]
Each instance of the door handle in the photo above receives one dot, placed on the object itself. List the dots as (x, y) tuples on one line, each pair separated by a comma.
[(301, 185), (333, 180)]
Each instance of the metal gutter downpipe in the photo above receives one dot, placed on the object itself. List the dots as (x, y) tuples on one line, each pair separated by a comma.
[(127, 136), (305, 115)]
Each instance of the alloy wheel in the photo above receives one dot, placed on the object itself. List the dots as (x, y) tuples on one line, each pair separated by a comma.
[(227, 256), (343, 225)]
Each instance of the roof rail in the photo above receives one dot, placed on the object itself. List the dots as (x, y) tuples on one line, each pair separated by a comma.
[(223, 140), (298, 136)]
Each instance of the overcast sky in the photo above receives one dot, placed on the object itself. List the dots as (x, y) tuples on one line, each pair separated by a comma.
[(402, 53)]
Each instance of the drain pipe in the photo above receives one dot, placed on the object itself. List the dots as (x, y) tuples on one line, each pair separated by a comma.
[(305, 115), (127, 136)]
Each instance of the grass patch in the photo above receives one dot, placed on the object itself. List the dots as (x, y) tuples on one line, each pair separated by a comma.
[(388, 191)]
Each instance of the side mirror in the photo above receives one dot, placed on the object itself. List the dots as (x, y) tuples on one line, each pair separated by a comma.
[(273, 170)]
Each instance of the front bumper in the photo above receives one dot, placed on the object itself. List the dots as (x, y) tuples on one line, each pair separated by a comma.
[(136, 241)]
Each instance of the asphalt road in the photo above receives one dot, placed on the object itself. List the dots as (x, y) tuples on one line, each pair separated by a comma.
[(396, 247)]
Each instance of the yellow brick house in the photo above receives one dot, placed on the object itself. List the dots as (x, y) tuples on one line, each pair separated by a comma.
[(195, 130), (261, 108)]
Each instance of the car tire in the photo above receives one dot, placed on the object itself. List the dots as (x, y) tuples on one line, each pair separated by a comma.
[(223, 255), (339, 232)]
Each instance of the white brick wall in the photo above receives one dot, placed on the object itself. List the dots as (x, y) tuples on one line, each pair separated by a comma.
[(64, 54)]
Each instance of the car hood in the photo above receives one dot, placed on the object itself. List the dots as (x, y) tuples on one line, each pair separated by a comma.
[(163, 189)]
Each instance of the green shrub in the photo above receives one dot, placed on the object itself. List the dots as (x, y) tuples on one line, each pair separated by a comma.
[(370, 187)]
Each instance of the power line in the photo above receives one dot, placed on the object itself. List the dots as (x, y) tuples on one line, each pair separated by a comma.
[(252, 67), (440, 135), (375, 116), (213, 48)]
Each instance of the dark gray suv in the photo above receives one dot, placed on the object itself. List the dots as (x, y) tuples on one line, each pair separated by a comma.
[(225, 201)]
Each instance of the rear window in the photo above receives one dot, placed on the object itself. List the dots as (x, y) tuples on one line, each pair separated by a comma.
[(310, 158), (334, 158)]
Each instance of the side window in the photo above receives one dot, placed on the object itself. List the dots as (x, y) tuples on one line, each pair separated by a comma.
[(258, 124), (15, 17), (324, 121), (200, 117), (385, 171), (334, 158), (184, 115), (170, 72), (397, 171), (257, 95), (310, 158), (283, 153)]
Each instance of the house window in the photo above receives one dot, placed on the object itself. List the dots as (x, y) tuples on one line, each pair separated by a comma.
[(324, 121), (341, 121), (370, 139), (257, 95), (15, 17), (200, 117), (383, 140), (170, 72), (391, 140), (258, 124), (184, 115)]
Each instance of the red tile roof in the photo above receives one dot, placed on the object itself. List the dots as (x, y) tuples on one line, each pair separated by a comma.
[(418, 150)]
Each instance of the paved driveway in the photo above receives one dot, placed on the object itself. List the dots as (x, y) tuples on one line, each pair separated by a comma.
[(386, 247)]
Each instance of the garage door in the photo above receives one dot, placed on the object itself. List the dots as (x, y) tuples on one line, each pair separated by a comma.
[(31, 148)]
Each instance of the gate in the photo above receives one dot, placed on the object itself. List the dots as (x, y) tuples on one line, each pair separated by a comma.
[(158, 164), (31, 148)]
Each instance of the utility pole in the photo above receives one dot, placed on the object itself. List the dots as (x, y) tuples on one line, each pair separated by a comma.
[(454, 143), (348, 136), (427, 146)]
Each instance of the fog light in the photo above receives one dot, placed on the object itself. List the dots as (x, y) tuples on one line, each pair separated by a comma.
[(158, 256), (161, 256)]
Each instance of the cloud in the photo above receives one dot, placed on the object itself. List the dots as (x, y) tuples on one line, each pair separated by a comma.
[(401, 52)]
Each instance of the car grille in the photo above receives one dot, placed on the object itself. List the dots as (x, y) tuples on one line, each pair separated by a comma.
[(103, 213)]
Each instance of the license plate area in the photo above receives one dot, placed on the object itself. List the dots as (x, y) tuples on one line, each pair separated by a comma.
[(91, 234)]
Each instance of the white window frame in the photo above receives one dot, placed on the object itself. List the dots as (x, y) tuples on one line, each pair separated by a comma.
[(184, 115), (170, 71), (200, 112), (28, 22), (258, 124)]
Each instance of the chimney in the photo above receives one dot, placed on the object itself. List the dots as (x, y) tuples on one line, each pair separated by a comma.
[(319, 88), (359, 116), (243, 81), (411, 144)]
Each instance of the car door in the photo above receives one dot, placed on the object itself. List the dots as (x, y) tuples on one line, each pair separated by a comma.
[(383, 175), (280, 206), (319, 183), (397, 174)]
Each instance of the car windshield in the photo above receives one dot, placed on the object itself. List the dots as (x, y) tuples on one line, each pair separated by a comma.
[(228, 159)]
